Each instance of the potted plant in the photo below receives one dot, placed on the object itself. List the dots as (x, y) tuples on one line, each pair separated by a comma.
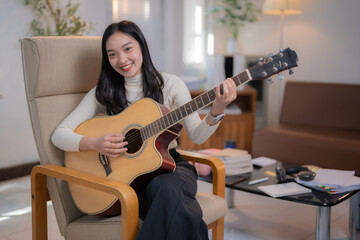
[(233, 14), (55, 17)]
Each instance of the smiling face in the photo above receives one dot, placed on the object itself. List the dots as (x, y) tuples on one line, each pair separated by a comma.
[(124, 54)]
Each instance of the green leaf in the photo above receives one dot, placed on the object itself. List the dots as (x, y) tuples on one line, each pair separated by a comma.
[(234, 14), (44, 20)]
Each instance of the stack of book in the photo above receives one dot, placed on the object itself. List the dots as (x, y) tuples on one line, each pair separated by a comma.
[(236, 161)]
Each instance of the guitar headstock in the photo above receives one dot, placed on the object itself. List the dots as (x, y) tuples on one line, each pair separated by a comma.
[(283, 60)]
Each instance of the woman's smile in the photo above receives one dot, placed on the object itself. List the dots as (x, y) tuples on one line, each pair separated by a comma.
[(126, 67)]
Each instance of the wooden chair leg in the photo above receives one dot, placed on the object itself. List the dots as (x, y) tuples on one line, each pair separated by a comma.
[(218, 230), (39, 197)]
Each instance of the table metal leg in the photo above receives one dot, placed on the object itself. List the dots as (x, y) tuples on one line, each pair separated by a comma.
[(354, 215), (323, 223), (230, 198)]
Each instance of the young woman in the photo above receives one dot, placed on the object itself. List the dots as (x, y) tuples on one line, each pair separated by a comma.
[(167, 205)]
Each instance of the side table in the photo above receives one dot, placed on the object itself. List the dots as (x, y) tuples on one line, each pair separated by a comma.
[(322, 200)]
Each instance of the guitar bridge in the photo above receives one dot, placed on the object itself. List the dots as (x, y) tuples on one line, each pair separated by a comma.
[(105, 162)]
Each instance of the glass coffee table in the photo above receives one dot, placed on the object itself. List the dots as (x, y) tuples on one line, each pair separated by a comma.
[(322, 200)]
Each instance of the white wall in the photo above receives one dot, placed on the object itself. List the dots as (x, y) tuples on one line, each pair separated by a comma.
[(16, 138), (326, 37)]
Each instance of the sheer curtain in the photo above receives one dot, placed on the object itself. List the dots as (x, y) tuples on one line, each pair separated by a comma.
[(148, 15), (194, 42)]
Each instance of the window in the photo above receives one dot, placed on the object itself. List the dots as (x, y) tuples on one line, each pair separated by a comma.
[(198, 43), (138, 10), (147, 14), (194, 41)]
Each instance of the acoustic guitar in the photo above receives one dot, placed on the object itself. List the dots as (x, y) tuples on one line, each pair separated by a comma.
[(149, 127)]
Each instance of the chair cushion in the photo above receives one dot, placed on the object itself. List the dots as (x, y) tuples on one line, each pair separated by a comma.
[(213, 207), (95, 227)]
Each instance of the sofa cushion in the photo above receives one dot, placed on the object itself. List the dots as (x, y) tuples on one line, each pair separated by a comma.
[(321, 104), (321, 146)]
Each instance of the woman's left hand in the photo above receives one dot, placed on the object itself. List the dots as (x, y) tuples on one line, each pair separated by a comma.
[(228, 95)]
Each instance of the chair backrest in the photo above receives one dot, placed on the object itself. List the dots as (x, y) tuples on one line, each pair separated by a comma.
[(58, 71)]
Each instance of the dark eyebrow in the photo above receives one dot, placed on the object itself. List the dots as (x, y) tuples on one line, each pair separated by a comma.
[(126, 44), (112, 50)]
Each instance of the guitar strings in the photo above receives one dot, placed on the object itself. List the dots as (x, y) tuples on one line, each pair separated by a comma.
[(133, 137), (136, 135)]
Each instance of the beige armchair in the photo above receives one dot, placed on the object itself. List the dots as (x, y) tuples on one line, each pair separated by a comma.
[(58, 71)]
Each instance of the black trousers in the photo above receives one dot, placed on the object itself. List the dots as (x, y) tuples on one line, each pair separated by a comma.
[(168, 205)]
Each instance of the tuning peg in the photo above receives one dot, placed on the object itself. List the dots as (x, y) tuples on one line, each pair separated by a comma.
[(291, 72), (261, 61), (270, 80), (284, 65), (280, 76), (281, 52)]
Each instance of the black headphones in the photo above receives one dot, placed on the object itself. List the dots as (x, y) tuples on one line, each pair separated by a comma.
[(303, 172)]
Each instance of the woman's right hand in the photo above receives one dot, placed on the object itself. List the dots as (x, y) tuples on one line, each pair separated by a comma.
[(111, 144)]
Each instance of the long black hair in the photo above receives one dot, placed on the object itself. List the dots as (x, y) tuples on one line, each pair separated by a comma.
[(110, 90)]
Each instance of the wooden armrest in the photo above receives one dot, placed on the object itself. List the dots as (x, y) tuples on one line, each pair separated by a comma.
[(126, 195), (217, 167)]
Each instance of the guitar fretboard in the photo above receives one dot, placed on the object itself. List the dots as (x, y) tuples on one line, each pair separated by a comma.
[(187, 109)]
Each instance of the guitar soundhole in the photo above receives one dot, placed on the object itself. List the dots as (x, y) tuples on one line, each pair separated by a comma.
[(134, 140)]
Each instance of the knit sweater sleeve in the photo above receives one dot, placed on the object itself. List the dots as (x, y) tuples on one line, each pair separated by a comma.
[(64, 136), (177, 94)]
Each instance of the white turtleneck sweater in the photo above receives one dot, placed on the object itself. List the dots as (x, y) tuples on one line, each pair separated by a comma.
[(175, 95)]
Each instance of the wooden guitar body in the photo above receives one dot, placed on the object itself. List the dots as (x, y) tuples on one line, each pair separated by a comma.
[(136, 167)]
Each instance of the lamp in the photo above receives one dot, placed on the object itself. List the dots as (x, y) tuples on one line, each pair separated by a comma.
[(275, 93), (278, 7), (282, 8)]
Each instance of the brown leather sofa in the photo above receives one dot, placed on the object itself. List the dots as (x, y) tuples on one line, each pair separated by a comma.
[(319, 125)]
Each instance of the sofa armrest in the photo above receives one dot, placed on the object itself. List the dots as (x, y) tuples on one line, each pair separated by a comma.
[(217, 167), (39, 195)]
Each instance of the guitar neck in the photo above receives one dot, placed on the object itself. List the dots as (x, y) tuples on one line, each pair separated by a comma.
[(187, 109)]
